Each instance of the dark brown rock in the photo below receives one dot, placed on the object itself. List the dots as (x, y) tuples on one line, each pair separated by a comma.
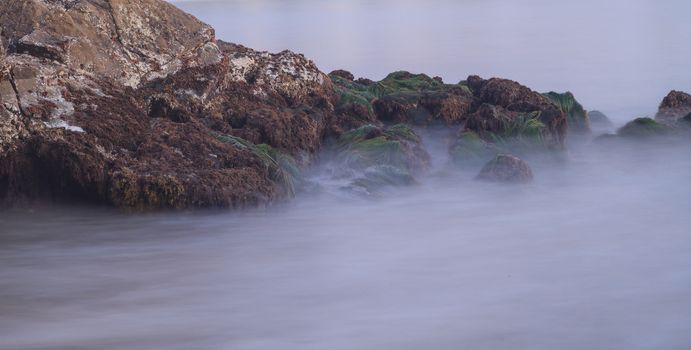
[(425, 108), (515, 97)]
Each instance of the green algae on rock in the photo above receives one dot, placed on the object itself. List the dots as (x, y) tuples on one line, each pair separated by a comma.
[(643, 128), (577, 116), (379, 157)]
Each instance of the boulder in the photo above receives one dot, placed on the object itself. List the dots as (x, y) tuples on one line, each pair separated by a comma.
[(643, 128), (677, 104), (514, 97), (372, 157), (343, 74), (599, 120), (506, 168)]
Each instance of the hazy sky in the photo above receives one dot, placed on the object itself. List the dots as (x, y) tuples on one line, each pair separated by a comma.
[(619, 56)]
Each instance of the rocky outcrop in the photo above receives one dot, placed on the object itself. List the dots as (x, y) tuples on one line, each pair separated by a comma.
[(511, 100), (135, 104), (401, 97), (129, 41), (506, 168)]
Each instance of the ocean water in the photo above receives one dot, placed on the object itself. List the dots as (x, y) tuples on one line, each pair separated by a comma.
[(594, 254)]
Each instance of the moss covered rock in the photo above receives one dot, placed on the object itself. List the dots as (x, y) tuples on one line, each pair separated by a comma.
[(577, 116), (643, 128), (401, 97), (281, 167), (376, 157), (469, 148)]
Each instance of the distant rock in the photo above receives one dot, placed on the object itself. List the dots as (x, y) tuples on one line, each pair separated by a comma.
[(506, 168), (599, 120), (677, 104), (643, 128)]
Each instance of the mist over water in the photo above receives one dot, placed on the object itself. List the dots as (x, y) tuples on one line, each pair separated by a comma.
[(594, 254)]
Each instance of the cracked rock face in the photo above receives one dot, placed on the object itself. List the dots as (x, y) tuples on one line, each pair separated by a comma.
[(133, 103), (124, 40)]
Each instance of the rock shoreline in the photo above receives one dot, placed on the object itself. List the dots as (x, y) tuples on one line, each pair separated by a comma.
[(136, 104)]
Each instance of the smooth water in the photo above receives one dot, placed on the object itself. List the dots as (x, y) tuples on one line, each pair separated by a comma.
[(594, 254)]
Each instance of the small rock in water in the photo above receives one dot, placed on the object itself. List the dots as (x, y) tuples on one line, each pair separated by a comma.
[(506, 168)]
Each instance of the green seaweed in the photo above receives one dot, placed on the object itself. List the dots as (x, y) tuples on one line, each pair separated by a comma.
[(283, 169), (577, 116), (643, 127), (470, 148)]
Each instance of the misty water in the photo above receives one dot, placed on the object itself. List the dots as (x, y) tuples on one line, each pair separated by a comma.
[(594, 254)]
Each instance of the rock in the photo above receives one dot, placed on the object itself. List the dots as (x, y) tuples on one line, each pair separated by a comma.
[(506, 168), (374, 157), (126, 40), (155, 122), (343, 74), (599, 120), (420, 100), (515, 97), (675, 105), (401, 97), (643, 128), (509, 129), (577, 116), (470, 149), (135, 104)]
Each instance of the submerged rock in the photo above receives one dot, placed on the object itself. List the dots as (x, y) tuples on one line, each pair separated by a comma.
[(599, 120), (469, 149), (643, 128), (506, 168), (377, 157)]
